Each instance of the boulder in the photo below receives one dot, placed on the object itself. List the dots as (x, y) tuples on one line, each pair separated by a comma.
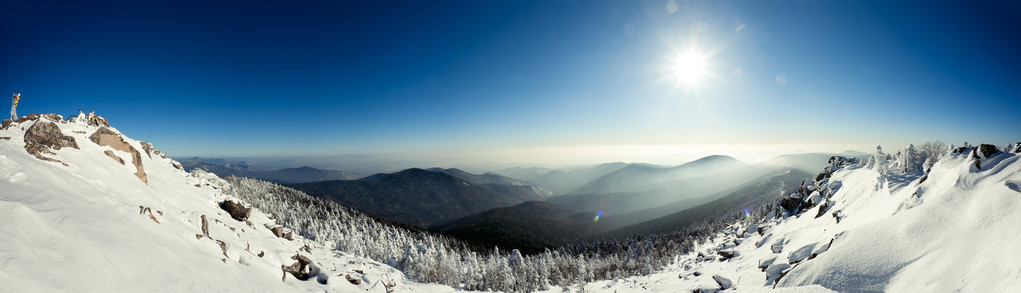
[(147, 146), (726, 254), (791, 203), (1017, 148), (299, 269), (44, 137), (723, 282), (777, 246), (819, 249), (237, 210), (278, 231), (801, 254), (765, 263), (825, 206), (985, 150), (775, 271), (106, 137)]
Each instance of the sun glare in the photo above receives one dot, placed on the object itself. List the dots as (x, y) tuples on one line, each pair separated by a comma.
[(689, 68)]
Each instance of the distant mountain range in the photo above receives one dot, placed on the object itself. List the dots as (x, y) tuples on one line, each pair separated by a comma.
[(501, 184), (666, 206), (225, 168), (421, 197), (562, 181), (766, 189), (640, 177), (533, 226)]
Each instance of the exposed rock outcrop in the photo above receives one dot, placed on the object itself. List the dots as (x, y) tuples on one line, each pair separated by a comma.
[(113, 156), (279, 232), (44, 137), (106, 137), (237, 210), (985, 150), (299, 269)]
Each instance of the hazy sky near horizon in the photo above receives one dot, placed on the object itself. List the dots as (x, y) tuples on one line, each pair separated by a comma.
[(503, 81)]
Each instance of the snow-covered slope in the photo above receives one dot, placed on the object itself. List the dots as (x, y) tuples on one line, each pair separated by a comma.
[(866, 227), (85, 209), (94, 211)]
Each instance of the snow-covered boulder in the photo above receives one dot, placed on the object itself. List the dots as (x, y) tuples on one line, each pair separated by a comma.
[(800, 254), (723, 282)]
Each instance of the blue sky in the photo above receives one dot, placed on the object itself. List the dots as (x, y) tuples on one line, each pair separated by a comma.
[(513, 80)]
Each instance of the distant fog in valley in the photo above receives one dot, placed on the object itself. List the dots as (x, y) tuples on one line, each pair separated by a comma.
[(552, 158)]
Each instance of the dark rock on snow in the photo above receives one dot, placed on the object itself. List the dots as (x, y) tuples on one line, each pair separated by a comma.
[(299, 269), (237, 210), (985, 150), (44, 137)]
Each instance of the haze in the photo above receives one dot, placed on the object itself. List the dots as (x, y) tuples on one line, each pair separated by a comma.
[(522, 82)]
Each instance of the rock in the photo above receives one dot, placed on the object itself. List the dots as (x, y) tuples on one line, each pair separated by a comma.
[(45, 137), (723, 282), (353, 280), (791, 203), (726, 254), (825, 206), (985, 150), (113, 156), (775, 271), (223, 246), (801, 254), (237, 211), (762, 230), (838, 215), (819, 249), (765, 263), (29, 117), (205, 226), (95, 120), (1017, 148), (299, 269), (147, 147), (279, 232), (777, 246), (697, 273), (106, 137), (705, 290), (52, 117)]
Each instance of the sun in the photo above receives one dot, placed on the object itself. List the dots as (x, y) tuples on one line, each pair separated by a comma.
[(689, 68)]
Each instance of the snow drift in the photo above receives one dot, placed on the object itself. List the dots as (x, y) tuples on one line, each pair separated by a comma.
[(87, 209)]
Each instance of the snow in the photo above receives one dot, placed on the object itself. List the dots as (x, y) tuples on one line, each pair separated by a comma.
[(79, 228), (94, 226), (957, 231)]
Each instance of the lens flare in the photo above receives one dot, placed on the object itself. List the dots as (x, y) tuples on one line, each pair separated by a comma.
[(746, 214), (596, 219)]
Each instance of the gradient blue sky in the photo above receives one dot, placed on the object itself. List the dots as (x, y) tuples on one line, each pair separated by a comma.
[(513, 80)]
